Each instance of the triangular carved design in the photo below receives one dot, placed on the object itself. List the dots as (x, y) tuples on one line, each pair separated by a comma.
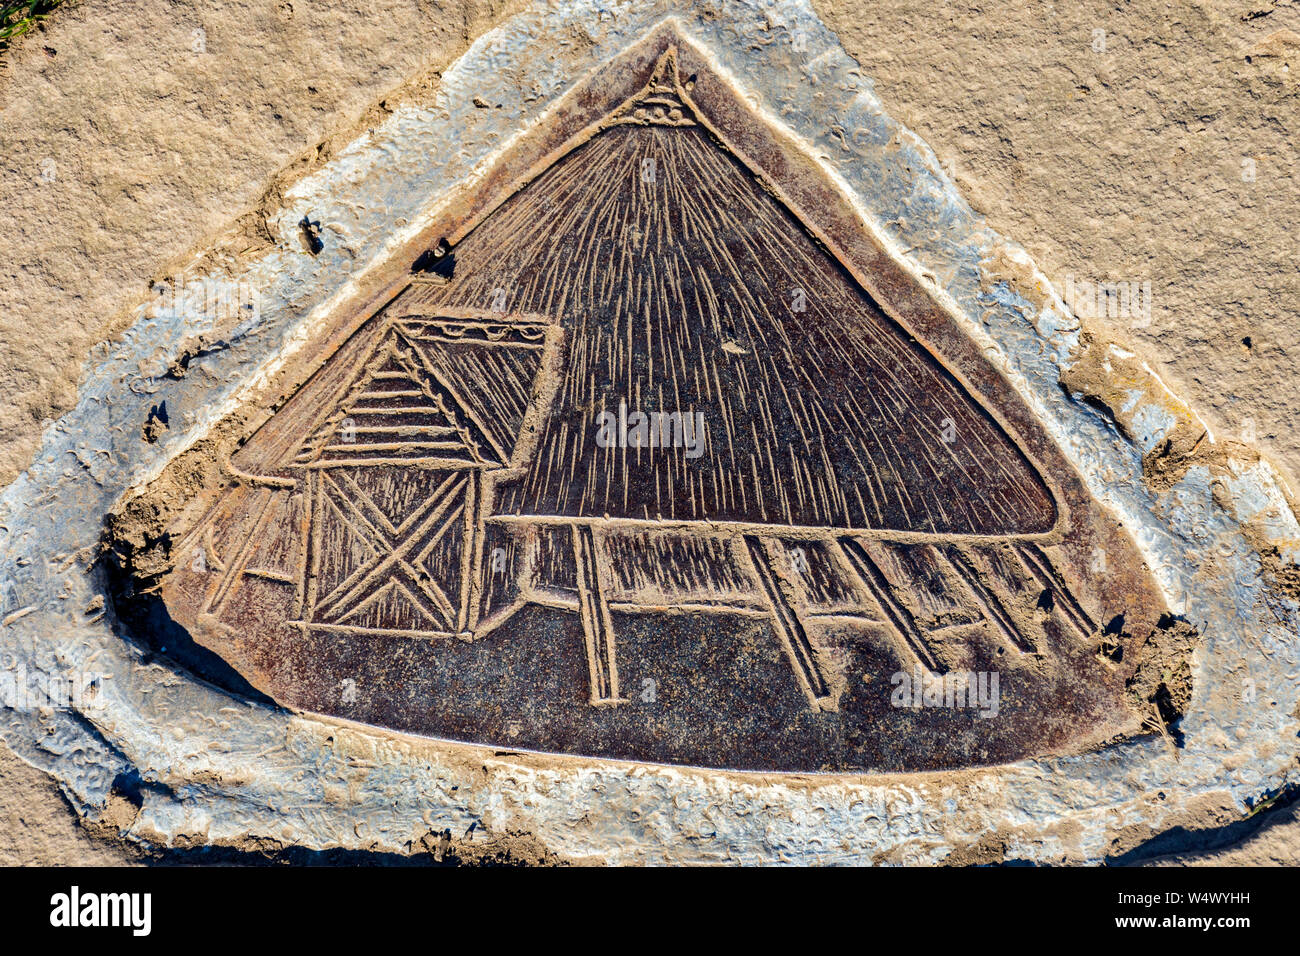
[(664, 100), (671, 425)]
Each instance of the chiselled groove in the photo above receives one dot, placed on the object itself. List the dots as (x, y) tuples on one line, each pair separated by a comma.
[(230, 580), (875, 582), (307, 607), (275, 576), (597, 625), (345, 630), (788, 626), (993, 607), (1041, 568), (471, 553)]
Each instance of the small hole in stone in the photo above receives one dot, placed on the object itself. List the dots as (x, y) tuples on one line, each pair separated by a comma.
[(311, 239), (438, 261)]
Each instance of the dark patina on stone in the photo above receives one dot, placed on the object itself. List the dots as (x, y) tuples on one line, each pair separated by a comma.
[(657, 454)]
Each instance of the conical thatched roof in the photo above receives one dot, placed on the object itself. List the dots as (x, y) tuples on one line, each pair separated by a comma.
[(683, 285)]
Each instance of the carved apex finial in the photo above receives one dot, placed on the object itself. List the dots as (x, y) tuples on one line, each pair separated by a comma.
[(662, 101)]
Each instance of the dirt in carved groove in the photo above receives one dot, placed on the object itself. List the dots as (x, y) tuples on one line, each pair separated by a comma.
[(665, 460)]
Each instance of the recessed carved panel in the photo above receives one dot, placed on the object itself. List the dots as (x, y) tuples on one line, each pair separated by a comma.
[(656, 455)]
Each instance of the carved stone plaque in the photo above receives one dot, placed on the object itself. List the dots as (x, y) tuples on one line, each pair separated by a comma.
[(657, 454)]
